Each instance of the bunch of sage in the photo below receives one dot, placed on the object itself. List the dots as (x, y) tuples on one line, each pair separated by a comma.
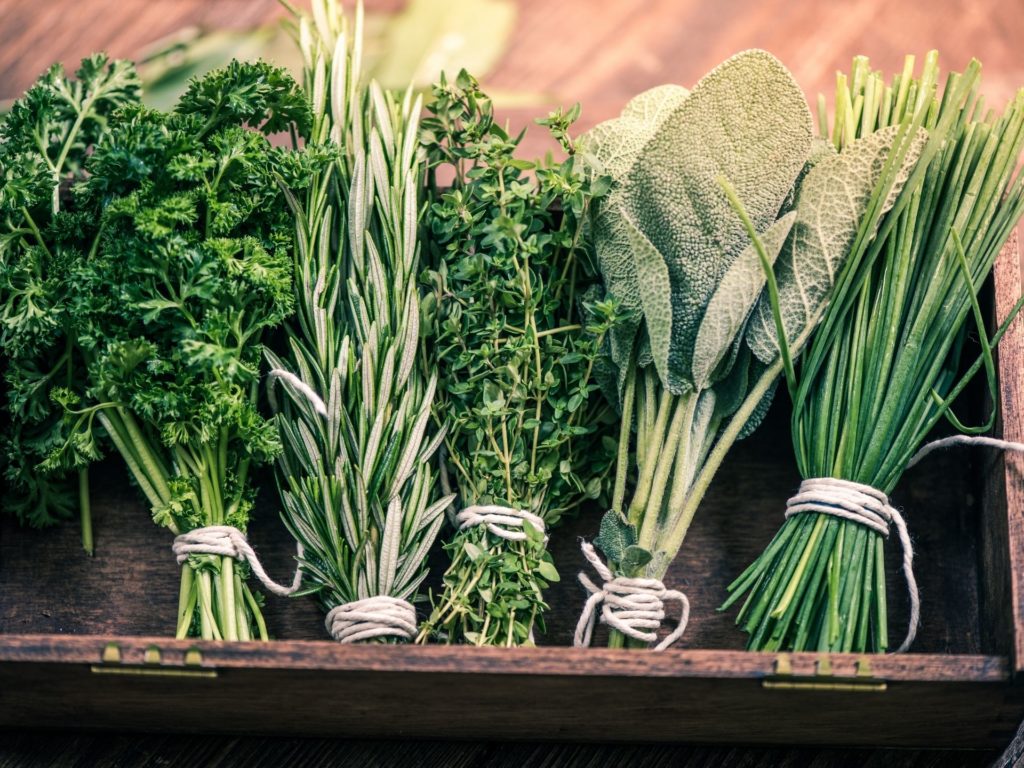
[(354, 478), (716, 194), (885, 367)]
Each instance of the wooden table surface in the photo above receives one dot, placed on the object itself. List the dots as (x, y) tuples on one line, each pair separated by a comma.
[(117, 751), (598, 52)]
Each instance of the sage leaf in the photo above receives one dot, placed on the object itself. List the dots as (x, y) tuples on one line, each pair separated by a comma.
[(634, 559), (615, 536), (831, 204), (656, 299), (611, 148), (746, 120), (733, 300), (757, 368), (654, 105)]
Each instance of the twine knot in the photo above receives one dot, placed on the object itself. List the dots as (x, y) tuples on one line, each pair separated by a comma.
[(228, 541), (378, 616), (633, 606), (504, 522), (865, 506)]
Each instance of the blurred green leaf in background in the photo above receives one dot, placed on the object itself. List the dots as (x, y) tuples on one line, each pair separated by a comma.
[(414, 44)]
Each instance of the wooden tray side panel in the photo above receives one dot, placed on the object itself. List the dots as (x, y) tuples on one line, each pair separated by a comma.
[(549, 694), (1002, 524)]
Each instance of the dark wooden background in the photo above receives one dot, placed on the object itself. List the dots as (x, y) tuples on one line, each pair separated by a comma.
[(598, 52)]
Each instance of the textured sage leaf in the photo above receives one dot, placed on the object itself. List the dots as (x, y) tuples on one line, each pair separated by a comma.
[(611, 238), (656, 300), (821, 149), (761, 409), (733, 300), (615, 536), (655, 104), (633, 559), (615, 144), (611, 148), (746, 120), (830, 205), (731, 390)]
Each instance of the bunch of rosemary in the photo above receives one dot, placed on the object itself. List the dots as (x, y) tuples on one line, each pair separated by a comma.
[(354, 477), (885, 365), (514, 335)]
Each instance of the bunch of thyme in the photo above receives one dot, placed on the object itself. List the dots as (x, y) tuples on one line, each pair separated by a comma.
[(515, 332)]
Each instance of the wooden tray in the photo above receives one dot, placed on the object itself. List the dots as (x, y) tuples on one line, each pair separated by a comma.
[(82, 640)]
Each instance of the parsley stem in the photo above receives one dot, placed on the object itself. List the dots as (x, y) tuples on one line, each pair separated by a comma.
[(241, 619), (186, 601), (69, 141), (115, 430), (228, 615), (85, 509), (35, 231), (257, 613)]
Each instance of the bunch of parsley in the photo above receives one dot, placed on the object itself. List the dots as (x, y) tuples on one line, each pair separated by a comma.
[(44, 231), (192, 267)]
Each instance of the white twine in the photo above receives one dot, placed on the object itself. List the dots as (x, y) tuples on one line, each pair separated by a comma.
[(866, 506), (948, 442), (299, 385), (228, 541), (504, 522), (379, 616), (633, 606)]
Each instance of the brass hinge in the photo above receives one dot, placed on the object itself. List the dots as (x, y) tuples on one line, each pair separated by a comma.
[(111, 663), (823, 678)]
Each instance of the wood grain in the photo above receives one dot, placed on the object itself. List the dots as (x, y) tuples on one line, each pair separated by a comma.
[(1003, 529), (301, 688), (34, 749)]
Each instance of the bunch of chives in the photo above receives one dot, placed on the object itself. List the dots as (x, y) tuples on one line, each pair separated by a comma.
[(885, 365)]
